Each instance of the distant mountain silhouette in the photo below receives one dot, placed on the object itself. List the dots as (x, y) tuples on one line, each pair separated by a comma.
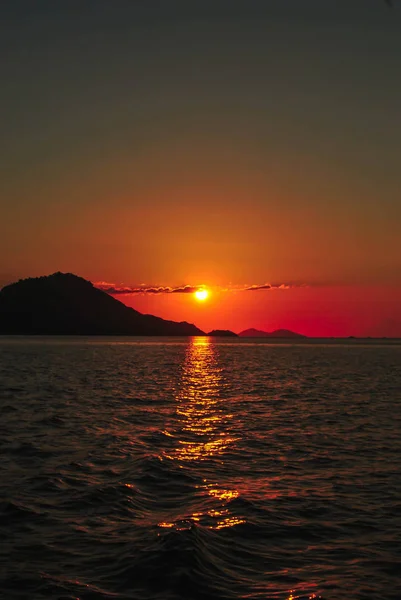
[(278, 333), (222, 333), (64, 304)]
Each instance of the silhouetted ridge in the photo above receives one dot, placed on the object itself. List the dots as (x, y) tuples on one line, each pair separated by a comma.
[(65, 304), (278, 333), (222, 333)]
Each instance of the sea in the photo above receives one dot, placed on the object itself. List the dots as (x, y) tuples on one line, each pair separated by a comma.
[(199, 468)]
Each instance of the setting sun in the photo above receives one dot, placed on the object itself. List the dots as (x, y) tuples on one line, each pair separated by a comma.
[(201, 295)]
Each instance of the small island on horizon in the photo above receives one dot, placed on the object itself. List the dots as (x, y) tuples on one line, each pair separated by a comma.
[(277, 333), (222, 333)]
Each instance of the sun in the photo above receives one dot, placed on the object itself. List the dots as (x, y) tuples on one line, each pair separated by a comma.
[(201, 295)]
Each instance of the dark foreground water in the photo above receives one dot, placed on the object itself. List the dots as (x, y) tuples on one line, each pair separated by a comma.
[(198, 469)]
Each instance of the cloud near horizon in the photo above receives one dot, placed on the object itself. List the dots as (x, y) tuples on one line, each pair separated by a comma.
[(116, 290), (269, 286)]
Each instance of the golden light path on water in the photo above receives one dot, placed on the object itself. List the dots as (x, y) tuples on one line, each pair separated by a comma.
[(204, 432)]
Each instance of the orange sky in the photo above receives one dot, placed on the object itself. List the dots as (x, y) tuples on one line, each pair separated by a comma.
[(184, 143)]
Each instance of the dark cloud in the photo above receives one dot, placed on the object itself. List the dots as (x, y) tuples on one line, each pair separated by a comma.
[(275, 286), (254, 288), (115, 290), (186, 289), (271, 286)]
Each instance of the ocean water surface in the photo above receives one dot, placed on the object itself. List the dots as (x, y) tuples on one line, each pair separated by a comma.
[(199, 468)]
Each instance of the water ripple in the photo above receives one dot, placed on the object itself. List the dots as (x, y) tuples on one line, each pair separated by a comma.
[(198, 469)]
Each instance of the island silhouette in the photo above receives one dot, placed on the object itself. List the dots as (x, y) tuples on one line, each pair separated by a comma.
[(222, 333), (65, 304), (277, 333)]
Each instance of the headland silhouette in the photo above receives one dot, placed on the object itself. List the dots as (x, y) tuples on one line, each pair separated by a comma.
[(65, 304)]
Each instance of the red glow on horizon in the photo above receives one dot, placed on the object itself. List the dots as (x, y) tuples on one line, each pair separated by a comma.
[(331, 311)]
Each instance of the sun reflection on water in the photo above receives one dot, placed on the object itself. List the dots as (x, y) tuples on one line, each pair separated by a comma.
[(203, 433), (202, 415), (201, 442)]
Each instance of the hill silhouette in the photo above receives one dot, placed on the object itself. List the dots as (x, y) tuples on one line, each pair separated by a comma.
[(278, 333), (65, 304), (222, 333)]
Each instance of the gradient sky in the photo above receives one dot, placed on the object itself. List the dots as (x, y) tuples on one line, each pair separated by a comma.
[(226, 143)]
